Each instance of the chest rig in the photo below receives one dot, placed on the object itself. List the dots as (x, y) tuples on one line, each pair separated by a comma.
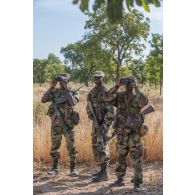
[(60, 99)]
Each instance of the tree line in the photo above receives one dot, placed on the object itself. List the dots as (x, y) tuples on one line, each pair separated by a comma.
[(117, 49)]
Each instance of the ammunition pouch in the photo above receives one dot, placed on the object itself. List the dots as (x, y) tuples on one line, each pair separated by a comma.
[(132, 123), (75, 117), (60, 100)]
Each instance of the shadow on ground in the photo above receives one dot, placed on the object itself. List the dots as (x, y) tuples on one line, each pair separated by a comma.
[(81, 185)]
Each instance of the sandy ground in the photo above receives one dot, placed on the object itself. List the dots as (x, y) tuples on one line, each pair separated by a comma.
[(64, 184)]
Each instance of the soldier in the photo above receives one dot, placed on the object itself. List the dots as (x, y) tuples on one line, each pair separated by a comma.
[(102, 113), (63, 120), (127, 124)]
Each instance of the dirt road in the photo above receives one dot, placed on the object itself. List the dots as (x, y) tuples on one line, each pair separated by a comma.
[(63, 184)]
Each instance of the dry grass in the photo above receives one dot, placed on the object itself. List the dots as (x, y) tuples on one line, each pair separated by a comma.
[(153, 141)]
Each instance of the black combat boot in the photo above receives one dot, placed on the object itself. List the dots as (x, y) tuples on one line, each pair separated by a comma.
[(73, 171), (55, 167), (98, 172), (102, 175), (137, 187), (118, 182)]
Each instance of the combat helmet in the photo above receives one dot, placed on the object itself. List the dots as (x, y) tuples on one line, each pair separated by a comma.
[(99, 73), (132, 78), (66, 75), (63, 77)]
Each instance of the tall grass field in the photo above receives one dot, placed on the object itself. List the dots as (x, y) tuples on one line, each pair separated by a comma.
[(153, 141)]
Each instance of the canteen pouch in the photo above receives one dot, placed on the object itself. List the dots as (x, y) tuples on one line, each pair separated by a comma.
[(132, 123)]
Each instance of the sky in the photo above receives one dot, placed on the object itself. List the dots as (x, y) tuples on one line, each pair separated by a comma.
[(57, 23)]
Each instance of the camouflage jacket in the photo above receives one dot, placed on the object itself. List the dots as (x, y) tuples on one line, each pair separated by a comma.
[(127, 105), (100, 100), (65, 100)]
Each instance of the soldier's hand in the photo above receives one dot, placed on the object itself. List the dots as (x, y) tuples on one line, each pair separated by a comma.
[(53, 84)]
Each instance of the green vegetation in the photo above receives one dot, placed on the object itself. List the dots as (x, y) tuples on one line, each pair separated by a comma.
[(115, 8), (117, 49), (45, 69)]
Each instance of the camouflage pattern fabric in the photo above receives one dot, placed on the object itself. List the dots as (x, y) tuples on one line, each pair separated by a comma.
[(128, 139), (105, 113), (129, 143), (59, 97), (56, 138)]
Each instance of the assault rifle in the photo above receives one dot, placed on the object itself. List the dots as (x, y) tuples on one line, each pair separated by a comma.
[(85, 84), (91, 109), (144, 112), (148, 110)]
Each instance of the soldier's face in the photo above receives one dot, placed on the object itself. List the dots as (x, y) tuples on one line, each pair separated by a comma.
[(98, 80), (63, 85), (130, 86)]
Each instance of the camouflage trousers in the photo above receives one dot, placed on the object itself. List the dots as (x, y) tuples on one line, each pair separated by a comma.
[(100, 151), (129, 143), (56, 138)]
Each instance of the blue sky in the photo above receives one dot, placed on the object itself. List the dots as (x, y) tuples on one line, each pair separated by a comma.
[(58, 22)]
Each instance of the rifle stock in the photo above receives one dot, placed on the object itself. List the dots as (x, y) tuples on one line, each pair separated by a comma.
[(148, 110)]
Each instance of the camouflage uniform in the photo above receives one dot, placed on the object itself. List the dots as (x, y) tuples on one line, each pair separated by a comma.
[(128, 139), (59, 98), (104, 111)]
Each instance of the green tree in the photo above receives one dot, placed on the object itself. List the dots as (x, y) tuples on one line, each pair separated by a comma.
[(97, 58), (138, 70), (74, 55), (115, 8), (54, 66), (46, 69), (122, 41), (154, 61), (40, 70)]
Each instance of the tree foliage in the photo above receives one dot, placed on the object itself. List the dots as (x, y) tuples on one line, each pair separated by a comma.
[(122, 41), (46, 69), (115, 8), (117, 49), (76, 55), (154, 61), (138, 70)]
